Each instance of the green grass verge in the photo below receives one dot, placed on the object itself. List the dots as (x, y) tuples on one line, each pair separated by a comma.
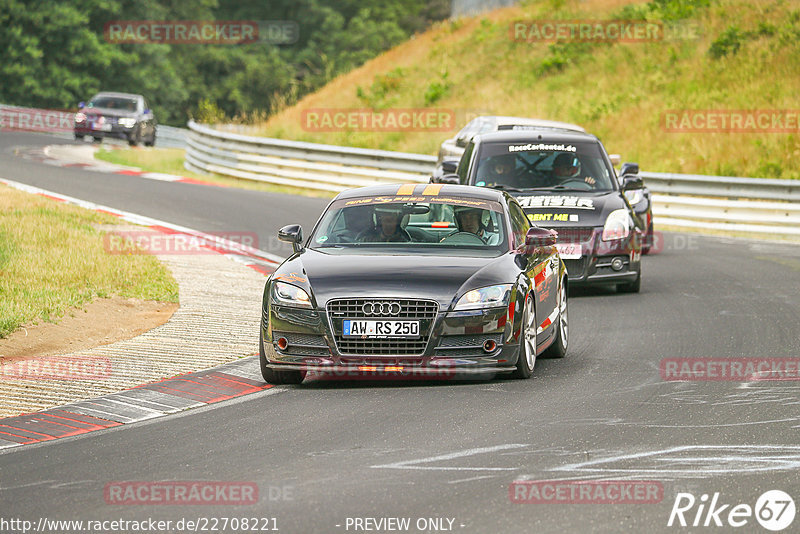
[(52, 258), (170, 161)]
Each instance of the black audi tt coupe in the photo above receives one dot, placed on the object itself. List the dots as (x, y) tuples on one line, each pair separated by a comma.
[(415, 280)]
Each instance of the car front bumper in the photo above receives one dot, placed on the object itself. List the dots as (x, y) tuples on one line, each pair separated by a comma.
[(453, 344), (116, 131), (598, 257)]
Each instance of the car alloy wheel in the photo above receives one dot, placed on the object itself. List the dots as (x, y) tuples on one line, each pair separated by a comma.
[(563, 316), (527, 342), (530, 332)]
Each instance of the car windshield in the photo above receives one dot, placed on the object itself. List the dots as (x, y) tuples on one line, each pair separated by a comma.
[(403, 222), (542, 165), (113, 102)]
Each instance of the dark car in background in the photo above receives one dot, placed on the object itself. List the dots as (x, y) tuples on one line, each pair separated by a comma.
[(451, 149), (117, 115), (419, 280), (641, 201), (565, 181)]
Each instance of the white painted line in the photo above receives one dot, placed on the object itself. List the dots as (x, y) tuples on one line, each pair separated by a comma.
[(160, 176), (147, 221), (790, 460), (470, 479), (413, 464)]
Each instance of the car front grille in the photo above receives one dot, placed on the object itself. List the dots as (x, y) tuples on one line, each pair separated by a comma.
[(578, 234), (410, 309), (576, 269)]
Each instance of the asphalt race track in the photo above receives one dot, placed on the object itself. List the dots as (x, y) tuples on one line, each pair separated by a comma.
[(328, 452)]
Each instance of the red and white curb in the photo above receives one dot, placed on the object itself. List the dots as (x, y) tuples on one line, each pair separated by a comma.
[(157, 399), (44, 155), (262, 262)]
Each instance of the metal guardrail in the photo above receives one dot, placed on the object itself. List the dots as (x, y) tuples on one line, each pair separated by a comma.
[(748, 205), (171, 137), (730, 203), (299, 164)]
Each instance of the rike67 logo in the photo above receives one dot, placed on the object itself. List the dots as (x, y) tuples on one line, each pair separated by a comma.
[(774, 510)]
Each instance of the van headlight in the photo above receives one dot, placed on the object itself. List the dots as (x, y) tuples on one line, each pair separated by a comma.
[(127, 122), (290, 295), (618, 225)]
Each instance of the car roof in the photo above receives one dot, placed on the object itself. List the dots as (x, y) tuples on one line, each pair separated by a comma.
[(534, 136), (433, 190), (120, 95), (503, 120)]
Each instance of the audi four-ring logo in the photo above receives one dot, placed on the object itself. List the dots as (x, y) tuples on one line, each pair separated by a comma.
[(381, 308)]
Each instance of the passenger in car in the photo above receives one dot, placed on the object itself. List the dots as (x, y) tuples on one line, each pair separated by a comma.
[(388, 228)]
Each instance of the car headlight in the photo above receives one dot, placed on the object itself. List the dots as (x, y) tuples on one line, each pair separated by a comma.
[(634, 196), (618, 225), (80, 117), (484, 297), (127, 122), (290, 295)]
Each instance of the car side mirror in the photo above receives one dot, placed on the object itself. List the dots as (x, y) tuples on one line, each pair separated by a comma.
[(631, 182), (452, 179), (629, 168), (81, 105), (449, 166), (293, 234), (540, 237), (461, 142)]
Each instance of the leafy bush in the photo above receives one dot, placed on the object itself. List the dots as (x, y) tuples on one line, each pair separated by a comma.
[(728, 42)]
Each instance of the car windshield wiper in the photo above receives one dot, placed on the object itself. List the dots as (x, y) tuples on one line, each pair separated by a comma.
[(555, 188), (503, 187)]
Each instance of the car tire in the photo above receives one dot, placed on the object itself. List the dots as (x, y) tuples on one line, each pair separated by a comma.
[(79, 137), (559, 347), (647, 242), (527, 342), (271, 376), (152, 141), (136, 137), (97, 139), (631, 287)]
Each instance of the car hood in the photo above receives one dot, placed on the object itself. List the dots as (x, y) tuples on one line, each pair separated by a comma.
[(109, 112), (441, 278), (557, 209)]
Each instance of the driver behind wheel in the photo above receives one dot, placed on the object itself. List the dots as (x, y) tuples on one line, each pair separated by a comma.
[(388, 227), (567, 168), (474, 221), (498, 169)]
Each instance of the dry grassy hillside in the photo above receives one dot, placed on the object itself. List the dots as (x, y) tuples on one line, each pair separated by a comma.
[(730, 55)]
